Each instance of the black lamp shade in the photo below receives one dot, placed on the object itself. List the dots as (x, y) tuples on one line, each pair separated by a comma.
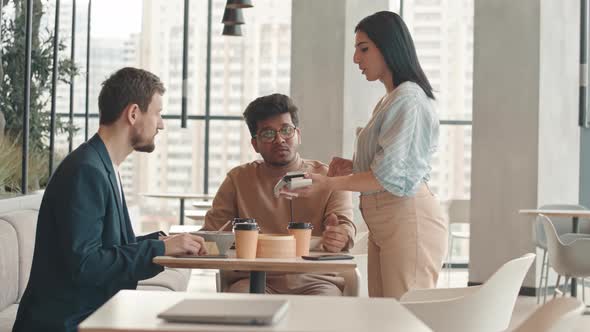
[(232, 30), (238, 4), (232, 16)]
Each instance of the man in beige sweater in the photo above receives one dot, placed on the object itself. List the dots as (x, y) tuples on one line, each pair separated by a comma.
[(247, 192)]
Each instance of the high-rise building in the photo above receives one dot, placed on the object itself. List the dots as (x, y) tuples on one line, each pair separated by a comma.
[(241, 69), (246, 67), (443, 35), (107, 54)]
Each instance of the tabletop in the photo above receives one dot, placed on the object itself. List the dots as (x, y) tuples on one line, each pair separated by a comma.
[(557, 213), (203, 204), (131, 310), (257, 264), (178, 229), (195, 214), (178, 195)]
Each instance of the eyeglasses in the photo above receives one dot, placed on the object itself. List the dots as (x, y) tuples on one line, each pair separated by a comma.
[(269, 135)]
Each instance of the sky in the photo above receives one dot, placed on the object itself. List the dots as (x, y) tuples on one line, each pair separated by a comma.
[(113, 18)]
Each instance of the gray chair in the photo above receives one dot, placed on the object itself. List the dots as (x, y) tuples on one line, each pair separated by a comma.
[(458, 213), (568, 257), (563, 227)]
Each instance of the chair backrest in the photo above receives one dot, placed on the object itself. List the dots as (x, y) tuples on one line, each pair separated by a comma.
[(18, 223), (352, 282), (9, 267), (488, 309), (499, 293), (563, 224), (566, 259), (459, 211), (558, 315)]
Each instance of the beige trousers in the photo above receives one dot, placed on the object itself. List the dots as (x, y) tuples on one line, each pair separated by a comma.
[(407, 241), (295, 283)]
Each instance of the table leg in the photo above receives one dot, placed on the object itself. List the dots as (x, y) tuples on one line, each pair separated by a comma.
[(257, 282), (575, 229), (182, 211)]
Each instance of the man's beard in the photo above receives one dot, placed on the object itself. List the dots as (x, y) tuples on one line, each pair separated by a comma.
[(281, 163), (142, 147), (150, 147)]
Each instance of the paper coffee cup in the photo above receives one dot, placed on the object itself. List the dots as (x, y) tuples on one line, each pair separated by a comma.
[(302, 233), (246, 235)]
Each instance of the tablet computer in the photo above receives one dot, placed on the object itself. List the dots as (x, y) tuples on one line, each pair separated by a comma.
[(227, 311)]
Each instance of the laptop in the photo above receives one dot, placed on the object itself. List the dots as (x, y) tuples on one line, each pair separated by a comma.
[(227, 311)]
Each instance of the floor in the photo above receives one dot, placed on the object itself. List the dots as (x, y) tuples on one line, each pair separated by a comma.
[(204, 281)]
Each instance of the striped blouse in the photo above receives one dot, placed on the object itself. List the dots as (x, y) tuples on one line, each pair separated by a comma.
[(399, 140)]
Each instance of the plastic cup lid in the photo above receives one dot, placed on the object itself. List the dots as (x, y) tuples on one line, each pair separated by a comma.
[(300, 225), (243, 220), (246, 227)]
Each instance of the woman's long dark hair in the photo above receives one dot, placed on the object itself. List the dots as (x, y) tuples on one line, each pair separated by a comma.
[(392, 37)]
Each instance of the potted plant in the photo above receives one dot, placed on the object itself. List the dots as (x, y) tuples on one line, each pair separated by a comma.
[(12, 69)]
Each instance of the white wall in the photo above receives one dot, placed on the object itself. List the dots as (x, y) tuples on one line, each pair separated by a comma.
[(559, 134), (332, 95), (525, 134)]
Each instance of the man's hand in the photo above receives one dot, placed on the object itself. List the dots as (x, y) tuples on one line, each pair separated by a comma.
[(335, 236), (184, 244), (340, 167)]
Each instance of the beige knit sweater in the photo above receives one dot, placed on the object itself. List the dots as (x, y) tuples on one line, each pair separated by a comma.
[(247, 192)]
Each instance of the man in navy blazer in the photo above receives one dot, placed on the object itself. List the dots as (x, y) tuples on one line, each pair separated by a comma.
[(85, 248)]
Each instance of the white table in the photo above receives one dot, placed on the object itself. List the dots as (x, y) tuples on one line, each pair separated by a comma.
[(137, 311), (258, 266), (178, 229), (206, 205), (182, 197), (197, 215), (574, 214)]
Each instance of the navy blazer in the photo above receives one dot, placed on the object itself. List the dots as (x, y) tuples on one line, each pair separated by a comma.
[(85, 249)]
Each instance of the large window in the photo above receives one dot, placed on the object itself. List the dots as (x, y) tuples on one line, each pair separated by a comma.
[(443, 35), (196, 158), (241, 69)]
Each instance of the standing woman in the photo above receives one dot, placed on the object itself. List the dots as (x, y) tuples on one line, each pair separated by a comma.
[(391, 166)]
